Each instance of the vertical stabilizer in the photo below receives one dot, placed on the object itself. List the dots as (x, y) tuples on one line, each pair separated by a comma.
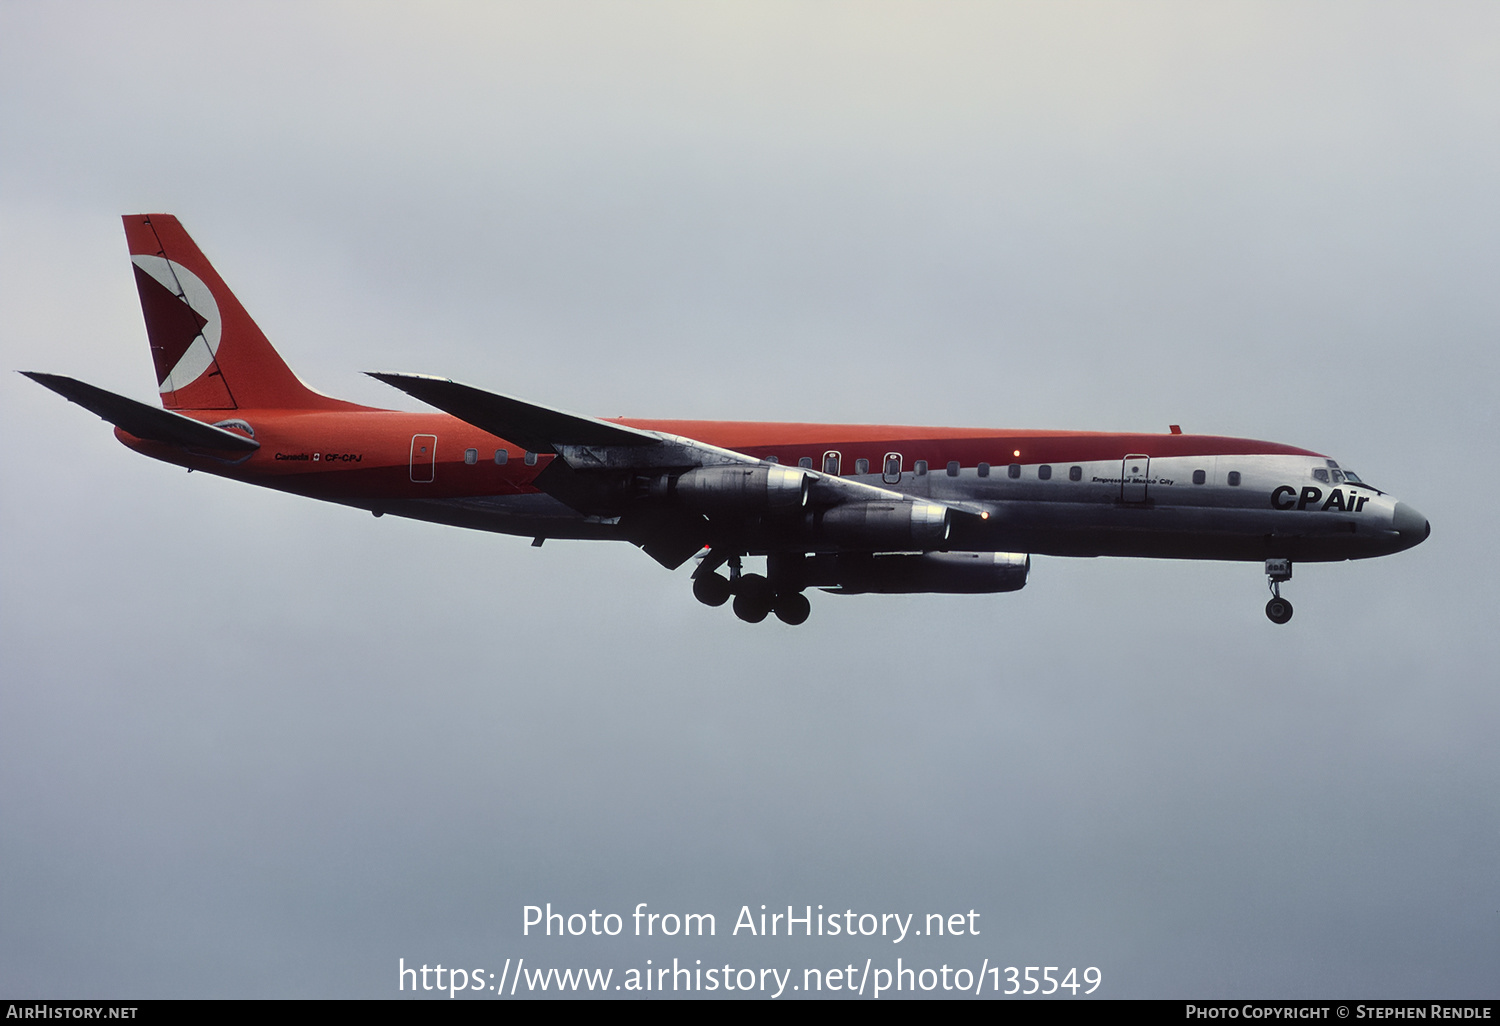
[(209, 354)]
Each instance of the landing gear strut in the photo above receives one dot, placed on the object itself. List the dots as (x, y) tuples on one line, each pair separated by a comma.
[(1279, 610)]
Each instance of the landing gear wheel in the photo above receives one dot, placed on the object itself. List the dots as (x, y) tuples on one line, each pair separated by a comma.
[(753, 598), (712, 590), (792, 608), (1279, 610), (750, 610)]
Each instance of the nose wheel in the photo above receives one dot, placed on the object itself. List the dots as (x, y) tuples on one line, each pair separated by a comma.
[(1278, 610)]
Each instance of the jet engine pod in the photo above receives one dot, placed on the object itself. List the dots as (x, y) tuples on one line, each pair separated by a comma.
[(951, 573), (899, 524), (748, 489)]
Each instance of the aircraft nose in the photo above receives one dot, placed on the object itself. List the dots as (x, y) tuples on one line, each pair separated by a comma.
[(1410, 525)]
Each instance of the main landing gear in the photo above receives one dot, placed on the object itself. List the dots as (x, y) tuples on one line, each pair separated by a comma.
[(1277, 570), (755, 597)]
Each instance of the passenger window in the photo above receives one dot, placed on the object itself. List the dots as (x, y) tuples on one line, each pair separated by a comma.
[(805, 463), (1320, 475), (502, 457), (530, 459), (1234, 478), (831, 461), (1014, 470), (861, 466), (892, 472), (471, 456), (1044, 472), (953, 468), (920, 467), (1075, 473), (984, 470), (1200, 476)]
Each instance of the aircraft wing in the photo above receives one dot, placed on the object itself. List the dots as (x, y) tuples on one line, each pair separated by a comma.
[(143, 421), (594, 454), (538, 428)]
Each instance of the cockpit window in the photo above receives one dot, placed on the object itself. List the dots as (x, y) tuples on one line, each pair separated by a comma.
[(1337, 475), (1350, 477), (1320, 475)]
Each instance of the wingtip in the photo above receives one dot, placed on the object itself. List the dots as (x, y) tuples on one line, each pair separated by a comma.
[(52, 381), (391, 377)]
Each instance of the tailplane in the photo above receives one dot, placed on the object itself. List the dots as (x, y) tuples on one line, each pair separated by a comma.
[(209, 354)]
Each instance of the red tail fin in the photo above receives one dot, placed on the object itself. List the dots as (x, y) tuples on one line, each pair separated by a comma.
[(209, 354)]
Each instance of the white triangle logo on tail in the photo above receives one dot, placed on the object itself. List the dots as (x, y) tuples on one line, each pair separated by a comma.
[(198, 357)]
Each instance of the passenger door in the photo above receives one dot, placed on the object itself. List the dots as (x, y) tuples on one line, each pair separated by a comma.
[(423, 458), (1135, 471)]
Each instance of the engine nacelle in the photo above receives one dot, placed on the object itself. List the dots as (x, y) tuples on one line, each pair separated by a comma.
[(898, 524), (952, 573), (739, 488)]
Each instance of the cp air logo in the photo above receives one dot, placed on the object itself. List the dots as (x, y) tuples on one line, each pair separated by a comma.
[(1287, 497), (182, 320)]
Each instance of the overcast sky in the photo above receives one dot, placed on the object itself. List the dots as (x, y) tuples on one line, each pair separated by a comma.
[(251, 745)]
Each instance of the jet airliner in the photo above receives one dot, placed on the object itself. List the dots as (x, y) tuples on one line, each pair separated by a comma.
[(843, 508)]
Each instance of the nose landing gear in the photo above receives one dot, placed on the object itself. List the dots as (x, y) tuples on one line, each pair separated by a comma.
[(1279, 610)]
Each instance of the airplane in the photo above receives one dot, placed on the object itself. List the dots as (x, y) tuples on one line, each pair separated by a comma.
[(845, 508)]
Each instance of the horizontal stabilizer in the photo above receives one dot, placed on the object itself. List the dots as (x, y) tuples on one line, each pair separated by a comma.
[(143, 421), (538, 428)]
